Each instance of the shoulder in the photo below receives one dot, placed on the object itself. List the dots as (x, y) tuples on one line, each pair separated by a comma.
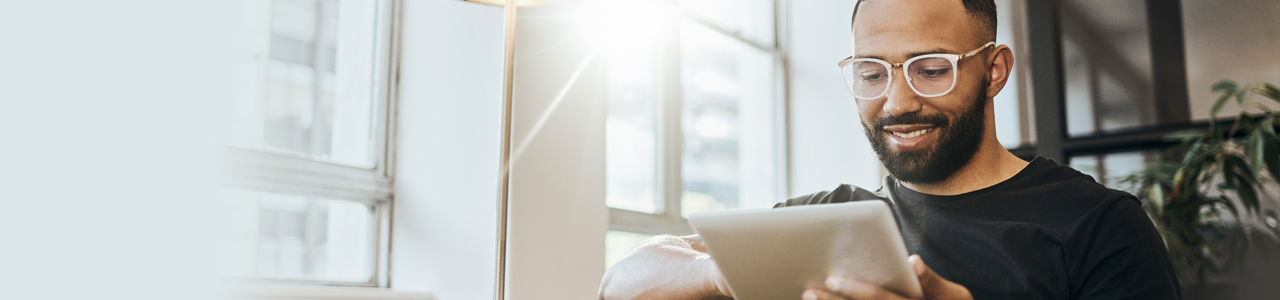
[(1061, 186), (1089, 207), (1051, 195), (841, 194)]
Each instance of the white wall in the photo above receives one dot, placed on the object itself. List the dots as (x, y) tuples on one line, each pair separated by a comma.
[(827, 144), (445, 222), (105, 152), (558, 217)]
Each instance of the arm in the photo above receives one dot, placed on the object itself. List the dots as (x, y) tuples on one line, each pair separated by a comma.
[(665, 267)]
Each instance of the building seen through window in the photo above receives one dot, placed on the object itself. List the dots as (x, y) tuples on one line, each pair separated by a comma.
[(695, 122), (308, 189)]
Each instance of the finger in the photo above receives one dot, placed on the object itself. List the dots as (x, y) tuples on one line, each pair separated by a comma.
[(856, 289), (933, 285), (717, 281), (819, 294)]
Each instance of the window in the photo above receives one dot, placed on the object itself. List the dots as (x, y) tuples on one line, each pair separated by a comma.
[(1116, 63), (696, 116), (1109, 168), (1012, 105), (308, 194), (1108, 66), (1224, 42)]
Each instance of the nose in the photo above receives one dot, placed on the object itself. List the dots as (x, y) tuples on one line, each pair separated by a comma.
[(901, 99)]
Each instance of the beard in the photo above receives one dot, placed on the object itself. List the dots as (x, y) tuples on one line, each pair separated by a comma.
[(960, 138)]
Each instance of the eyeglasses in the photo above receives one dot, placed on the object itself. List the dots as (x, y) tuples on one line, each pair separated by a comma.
[(929, 75)]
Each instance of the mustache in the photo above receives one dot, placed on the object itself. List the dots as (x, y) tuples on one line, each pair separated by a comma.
[(937, 120)]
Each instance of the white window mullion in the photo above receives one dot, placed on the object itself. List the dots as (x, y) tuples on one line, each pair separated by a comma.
[(671, 137), (272, 172)]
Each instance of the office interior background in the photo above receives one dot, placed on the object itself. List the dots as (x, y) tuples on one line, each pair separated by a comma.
[(449, 149)]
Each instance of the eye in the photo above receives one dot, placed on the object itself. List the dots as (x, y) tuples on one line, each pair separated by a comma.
[(872, 76), (933, 73)]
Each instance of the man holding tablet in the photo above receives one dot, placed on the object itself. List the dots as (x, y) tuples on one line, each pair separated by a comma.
[(988, 224)]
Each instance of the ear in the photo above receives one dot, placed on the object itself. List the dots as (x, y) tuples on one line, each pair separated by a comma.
[(998, 74)]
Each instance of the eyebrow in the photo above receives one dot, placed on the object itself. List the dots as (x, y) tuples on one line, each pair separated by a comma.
[(909, 55)]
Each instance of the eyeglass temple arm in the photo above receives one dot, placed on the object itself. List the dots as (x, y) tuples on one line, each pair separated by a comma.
[(975, 51)]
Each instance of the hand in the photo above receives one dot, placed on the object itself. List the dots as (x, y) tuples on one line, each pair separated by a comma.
[(933, 286), (665, 267)]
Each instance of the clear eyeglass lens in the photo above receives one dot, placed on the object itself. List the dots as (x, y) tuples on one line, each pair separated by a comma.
[(866, 79), (931, 76)]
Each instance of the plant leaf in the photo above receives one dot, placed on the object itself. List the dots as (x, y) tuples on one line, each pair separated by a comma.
[(1185, 136), (1269, 146), (1240, 96), (1238, 174), (1229, 182), (1227, 88), (1198, 158), (1177, 182), (1249, 197), (1244, 122), (1157, 196), (1242, 168), (1194, 150), (1213, 113), (1264, 108), (1270, 91), (1268, 123), (1225, 85), (1256, 151)]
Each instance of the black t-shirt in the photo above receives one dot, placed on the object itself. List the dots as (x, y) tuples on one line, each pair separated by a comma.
[(1048, 232)]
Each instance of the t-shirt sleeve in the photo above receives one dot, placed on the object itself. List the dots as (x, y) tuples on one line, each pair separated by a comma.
[(1121, 256)]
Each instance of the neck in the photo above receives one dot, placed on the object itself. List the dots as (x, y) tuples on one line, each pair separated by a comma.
[(992, 164)]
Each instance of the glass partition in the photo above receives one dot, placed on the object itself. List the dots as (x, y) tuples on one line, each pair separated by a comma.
[(1106, 60)]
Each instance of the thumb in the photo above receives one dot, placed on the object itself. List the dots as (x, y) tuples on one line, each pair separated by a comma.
[(933, 285), (718, 281)]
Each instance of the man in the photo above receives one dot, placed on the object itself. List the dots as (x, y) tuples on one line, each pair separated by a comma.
[(981, 223)]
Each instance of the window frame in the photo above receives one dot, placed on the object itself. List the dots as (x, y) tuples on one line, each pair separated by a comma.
[(277, 172), (669, 217)]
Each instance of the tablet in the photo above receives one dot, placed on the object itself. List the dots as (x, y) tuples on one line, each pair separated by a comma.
[(777, 253)]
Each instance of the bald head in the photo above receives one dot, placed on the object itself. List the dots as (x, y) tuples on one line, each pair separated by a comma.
[(982, 13)]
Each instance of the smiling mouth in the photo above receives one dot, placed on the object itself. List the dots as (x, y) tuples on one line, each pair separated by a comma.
[(912, 134)]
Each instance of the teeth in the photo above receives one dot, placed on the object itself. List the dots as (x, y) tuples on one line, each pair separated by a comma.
[(912, 134)]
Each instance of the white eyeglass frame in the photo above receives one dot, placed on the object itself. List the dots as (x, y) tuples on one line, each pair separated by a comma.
[(953, 58)]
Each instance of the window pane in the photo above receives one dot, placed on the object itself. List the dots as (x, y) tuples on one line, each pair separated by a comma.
[(1108, 168), (618, 244), (1011, 109), (1238, 41), (1107, 65), (309, 89), (752, 19), (273, 235), (729, 123), (631, 146)]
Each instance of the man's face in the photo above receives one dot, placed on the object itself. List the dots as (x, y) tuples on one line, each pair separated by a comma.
[(922, 139)]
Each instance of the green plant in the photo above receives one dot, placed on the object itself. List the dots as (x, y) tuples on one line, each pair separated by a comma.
[(1206, 193)]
